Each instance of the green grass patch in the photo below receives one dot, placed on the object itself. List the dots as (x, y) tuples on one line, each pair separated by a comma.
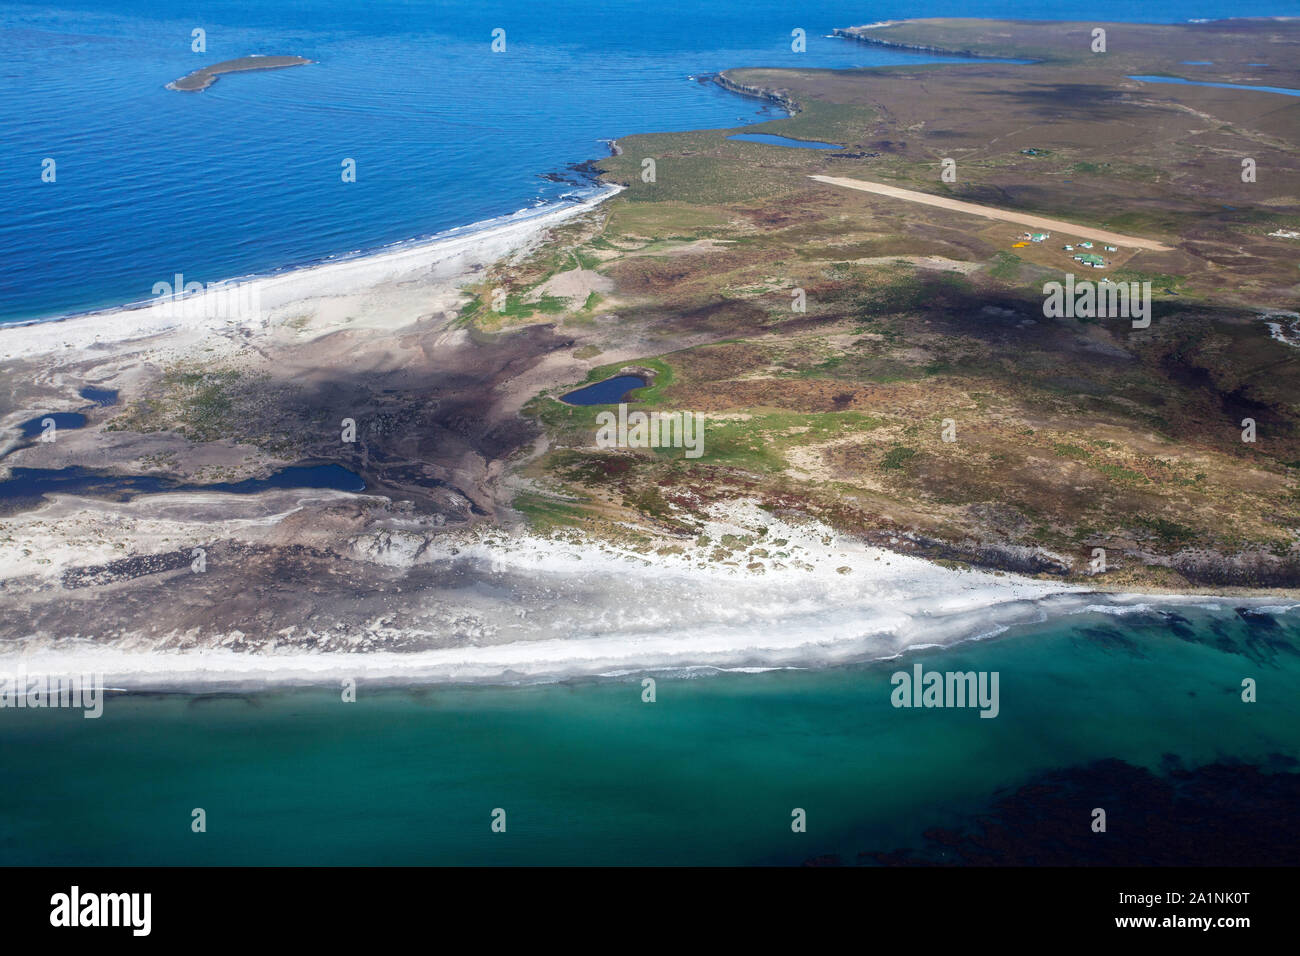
[(897, 457), (1170, 532), (1066, 450), (544, 512), (551, 304), (1122, 474), (1006, 266), (760, 443)]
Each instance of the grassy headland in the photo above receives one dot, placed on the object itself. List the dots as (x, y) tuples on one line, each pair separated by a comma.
[(1071, 434)]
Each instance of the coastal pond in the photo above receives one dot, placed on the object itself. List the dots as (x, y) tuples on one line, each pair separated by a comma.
[(34, 483), (772, 140), (33, 427), (1223, 86), (103, 397), (609, 392)]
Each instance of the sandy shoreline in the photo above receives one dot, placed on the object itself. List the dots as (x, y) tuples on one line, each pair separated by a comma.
[(568, 607), (617, 656), (446, 256)]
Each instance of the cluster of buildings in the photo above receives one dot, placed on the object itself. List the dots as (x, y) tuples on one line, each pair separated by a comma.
[(1090, 259)]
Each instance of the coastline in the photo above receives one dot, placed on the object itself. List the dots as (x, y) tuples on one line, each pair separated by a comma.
[(448, 253), (559, 660), (857, 34), (919, 604), (614, 614), (737, 498)]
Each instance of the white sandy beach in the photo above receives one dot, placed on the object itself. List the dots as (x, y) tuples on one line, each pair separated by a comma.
[(559, 607), (448, 257)]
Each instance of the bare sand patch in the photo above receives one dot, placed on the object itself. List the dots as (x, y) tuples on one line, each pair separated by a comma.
[(575, 285)]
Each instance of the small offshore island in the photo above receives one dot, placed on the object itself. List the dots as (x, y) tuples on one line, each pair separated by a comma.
[(202, 79)]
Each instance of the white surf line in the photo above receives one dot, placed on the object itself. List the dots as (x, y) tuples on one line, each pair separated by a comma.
[(989, 212)]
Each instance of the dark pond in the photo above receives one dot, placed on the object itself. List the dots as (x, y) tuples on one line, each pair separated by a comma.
[(35, 482), (33, 427), (102, 397), (609, 392), (783, 141)]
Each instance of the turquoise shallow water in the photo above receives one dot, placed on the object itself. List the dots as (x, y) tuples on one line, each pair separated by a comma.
[(588, 773)]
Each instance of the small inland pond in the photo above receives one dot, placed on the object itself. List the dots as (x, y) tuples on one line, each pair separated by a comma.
[(609, 392), (773, 140)]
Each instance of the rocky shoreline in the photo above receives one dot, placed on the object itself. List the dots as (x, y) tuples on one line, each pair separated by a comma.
[(779, 97), (861, 35)]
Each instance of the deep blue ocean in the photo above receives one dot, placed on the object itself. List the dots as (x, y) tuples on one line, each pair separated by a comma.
[(245, 176)]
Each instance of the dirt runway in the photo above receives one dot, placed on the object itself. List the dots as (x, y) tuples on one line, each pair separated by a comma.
[(989, 212)]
